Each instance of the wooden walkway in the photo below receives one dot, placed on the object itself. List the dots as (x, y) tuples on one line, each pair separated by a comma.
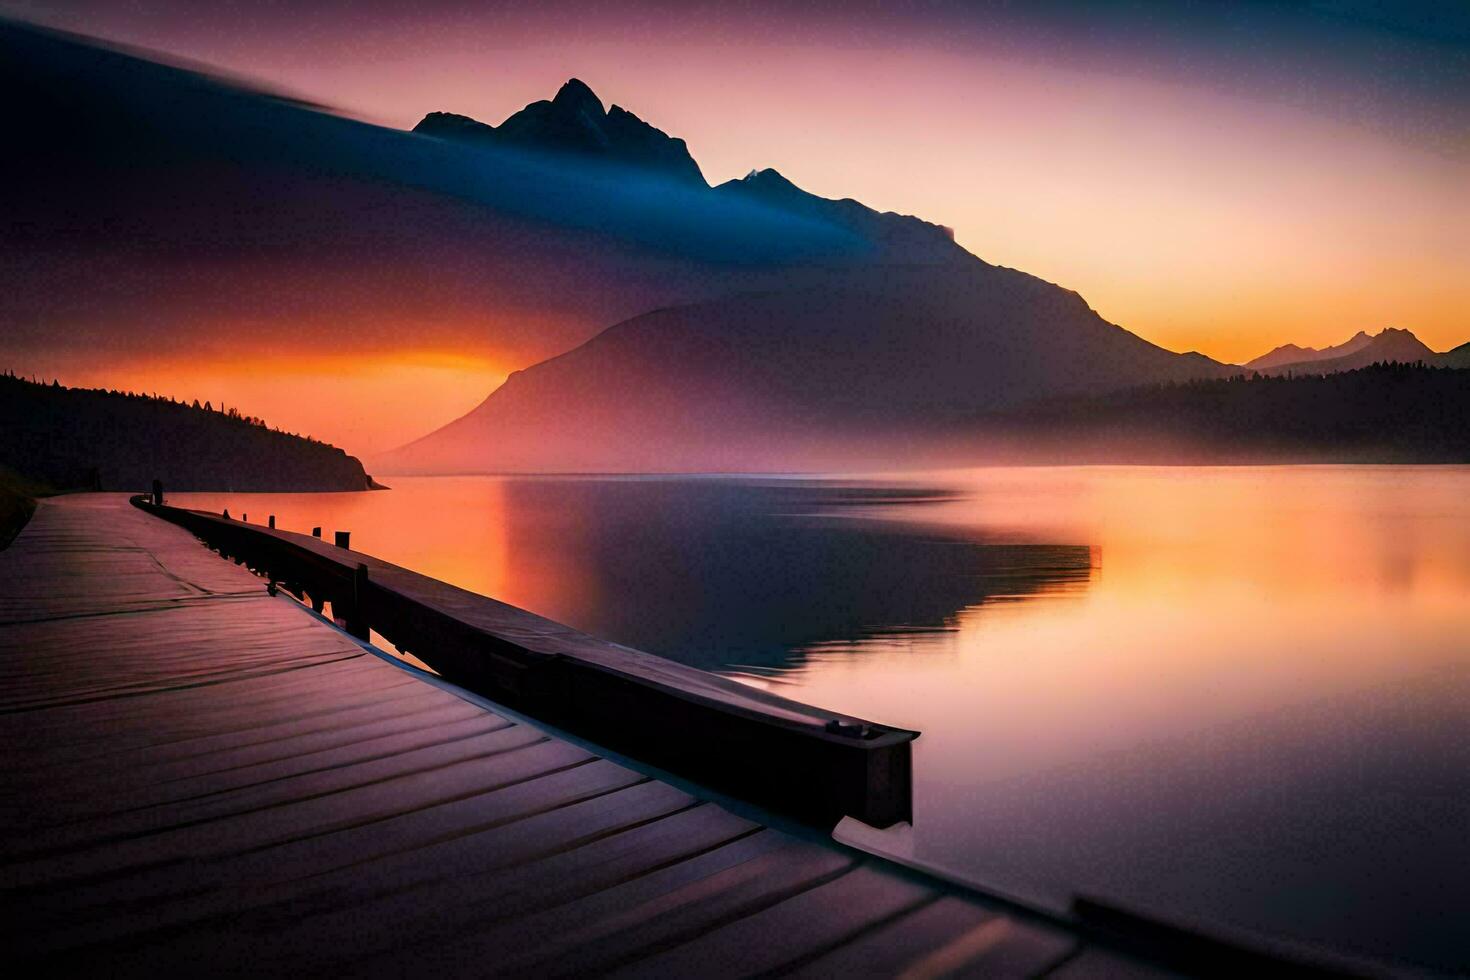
[(199, 777)]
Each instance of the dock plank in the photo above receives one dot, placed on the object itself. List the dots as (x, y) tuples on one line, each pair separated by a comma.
[(232, 791), (830, 914)]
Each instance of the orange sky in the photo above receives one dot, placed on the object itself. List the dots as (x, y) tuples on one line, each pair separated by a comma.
[(1194, 186), (364, 404)]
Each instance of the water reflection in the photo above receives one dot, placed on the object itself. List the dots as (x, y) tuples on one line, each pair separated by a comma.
[(721, 574)]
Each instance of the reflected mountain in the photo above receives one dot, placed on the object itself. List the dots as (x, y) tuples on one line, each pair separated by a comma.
[(719, 574)]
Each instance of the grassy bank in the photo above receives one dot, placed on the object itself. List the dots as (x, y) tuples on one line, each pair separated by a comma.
[(17, 504)]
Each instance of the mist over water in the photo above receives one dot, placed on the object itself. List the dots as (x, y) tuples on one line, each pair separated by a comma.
[(1231, 695)]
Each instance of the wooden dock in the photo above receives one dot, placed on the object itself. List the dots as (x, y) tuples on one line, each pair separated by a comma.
[(202, 778), (758, 746)]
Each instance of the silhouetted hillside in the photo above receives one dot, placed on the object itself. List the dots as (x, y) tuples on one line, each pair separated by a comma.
[(80, 438), (1385, 413), (840, 372), (17, 504)]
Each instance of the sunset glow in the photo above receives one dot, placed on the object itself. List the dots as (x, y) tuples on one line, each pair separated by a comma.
[(368, 402)]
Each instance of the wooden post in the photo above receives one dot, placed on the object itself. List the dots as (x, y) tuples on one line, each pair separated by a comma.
[(343, 538), (244, 517), (357, 620), (316, 532), (271, 521), (158, 493)]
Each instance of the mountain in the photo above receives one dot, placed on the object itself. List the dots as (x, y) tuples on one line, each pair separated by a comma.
[(159, 212), (1387, 346), (78, 438), (861, 367), (898, 233), (1458, 357), (574, 122), (1292, 354)]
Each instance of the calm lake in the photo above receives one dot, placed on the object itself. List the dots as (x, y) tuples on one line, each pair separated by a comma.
[(1234, 695)]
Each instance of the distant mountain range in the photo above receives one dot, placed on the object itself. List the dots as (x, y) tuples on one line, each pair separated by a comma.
[(1292, 354), (1388, 346)]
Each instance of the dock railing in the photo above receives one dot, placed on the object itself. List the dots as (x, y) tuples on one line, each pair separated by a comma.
[(789, 757)]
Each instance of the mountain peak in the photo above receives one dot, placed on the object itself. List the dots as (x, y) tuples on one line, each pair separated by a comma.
[(454, 126), (1292, 354), (577, 96), (769, 185), (574, 123), (912, 235), (768, 177)]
